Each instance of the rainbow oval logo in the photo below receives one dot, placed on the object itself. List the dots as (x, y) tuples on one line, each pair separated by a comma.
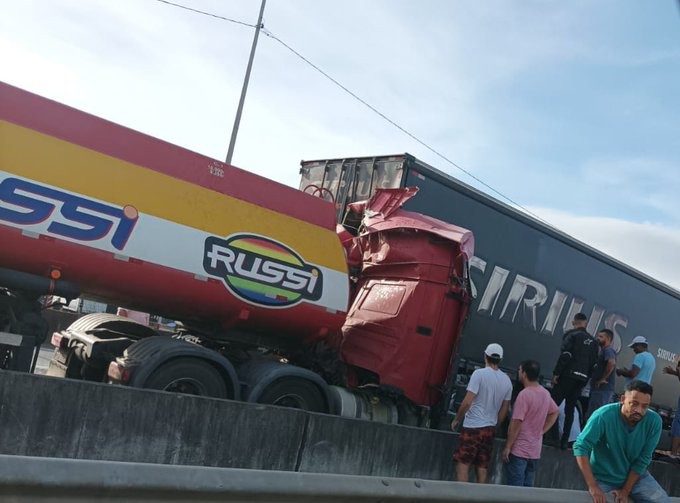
[(261, 271)]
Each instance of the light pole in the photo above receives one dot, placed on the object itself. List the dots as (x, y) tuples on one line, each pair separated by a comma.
[(237, 120)]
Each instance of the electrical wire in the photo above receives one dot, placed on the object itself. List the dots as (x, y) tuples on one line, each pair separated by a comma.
[(369, 106), (400, 128), (180, 6)]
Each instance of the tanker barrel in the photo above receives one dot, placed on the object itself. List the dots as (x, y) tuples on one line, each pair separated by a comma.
[(39, 285)]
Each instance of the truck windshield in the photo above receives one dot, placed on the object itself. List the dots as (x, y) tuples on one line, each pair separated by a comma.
[(348, 180)]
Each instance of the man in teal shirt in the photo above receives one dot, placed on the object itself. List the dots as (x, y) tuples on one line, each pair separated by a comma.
[(644, 363), (615, 448)]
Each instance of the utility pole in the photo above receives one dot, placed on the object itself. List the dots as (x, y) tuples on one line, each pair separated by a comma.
[(237, 120)]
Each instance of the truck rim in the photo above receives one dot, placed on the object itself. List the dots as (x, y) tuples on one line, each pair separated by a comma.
[(291, 400), (187, 386)]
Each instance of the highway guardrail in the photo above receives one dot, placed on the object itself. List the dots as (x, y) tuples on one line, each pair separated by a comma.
[(24, 479)]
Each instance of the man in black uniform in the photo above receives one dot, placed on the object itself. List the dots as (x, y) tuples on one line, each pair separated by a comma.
[(573, 369)]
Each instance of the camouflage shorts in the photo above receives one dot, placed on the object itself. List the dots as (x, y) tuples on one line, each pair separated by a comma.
[(475, 446)]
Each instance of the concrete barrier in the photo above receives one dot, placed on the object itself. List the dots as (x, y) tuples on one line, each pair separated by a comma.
[(352, 446), (49, 417), (25, 479)]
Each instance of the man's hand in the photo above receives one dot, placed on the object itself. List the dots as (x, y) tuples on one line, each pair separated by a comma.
[(454, 423), (621, 371), (506, 455), (670, 370), (597, 494), (621, 496)]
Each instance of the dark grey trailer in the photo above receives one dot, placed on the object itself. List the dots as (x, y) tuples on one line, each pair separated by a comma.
[(528, 277)]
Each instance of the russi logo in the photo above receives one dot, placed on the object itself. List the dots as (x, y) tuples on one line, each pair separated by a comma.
[(26, 204), (261, 271)]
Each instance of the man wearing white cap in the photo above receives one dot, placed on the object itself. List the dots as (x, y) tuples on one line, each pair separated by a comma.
[(485, 405), (644, 363)]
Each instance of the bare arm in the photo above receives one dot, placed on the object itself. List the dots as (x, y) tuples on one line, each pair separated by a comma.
[(462, 410), (513, 432), (595, 492), (611, 363), (632, 373), (502, 414), (549, 421), (673, 371)]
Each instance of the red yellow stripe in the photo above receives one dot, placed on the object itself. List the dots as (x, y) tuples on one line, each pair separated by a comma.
[(55, 162)]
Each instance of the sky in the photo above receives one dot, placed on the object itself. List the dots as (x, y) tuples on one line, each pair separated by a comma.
[(570, 109)]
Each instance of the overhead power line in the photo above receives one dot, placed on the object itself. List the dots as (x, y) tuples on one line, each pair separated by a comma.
[(206, 13), (400, 128), (269, 34)]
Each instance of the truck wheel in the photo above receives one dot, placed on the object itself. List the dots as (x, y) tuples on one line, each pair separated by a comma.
[(294, 393), (189, 376)]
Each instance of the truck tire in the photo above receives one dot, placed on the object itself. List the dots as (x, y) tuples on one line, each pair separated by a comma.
[(190, 376), (294, 393)]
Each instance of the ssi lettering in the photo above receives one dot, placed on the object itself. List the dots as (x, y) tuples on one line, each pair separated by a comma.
[(72, 216)]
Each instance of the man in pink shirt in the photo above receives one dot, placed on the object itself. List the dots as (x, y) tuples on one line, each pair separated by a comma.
[(533, 414)]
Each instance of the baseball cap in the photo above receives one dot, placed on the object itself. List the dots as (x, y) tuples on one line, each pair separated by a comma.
[(494, 350), (639, 339)]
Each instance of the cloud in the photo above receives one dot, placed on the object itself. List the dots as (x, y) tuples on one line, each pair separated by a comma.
[(646, 185), (651, 248)]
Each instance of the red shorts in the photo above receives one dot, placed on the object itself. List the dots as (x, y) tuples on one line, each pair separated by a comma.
[(475, 446)]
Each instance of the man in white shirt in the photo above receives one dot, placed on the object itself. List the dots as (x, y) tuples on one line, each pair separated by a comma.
[(485, 405)]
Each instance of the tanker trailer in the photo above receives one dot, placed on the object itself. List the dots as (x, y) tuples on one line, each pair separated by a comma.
[(254, 271)]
